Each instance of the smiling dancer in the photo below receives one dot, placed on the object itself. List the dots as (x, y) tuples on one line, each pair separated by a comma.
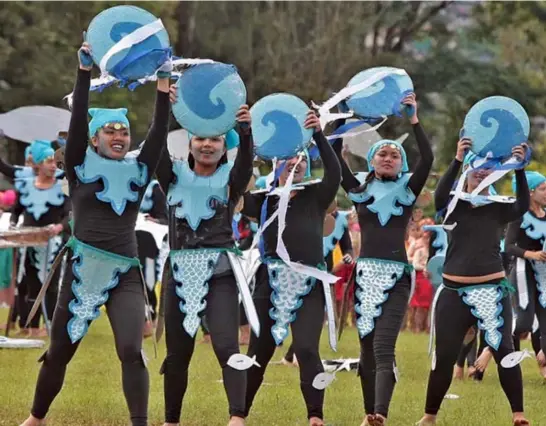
[(384, 203), (106, 189), (204, 191), (474, 284), (525, 239), (286, 297)]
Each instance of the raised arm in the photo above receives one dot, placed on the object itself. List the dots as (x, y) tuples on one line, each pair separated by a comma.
[(156, 139), (164, 170), (242, 169), (348, 179), (511, 212), (327, 188), (7, 169), (445, 184), (423, 166)]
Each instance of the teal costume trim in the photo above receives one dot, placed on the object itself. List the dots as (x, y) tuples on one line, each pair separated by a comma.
[(147, 203), (288, 288), (95, 272), (534, 180), (386, 195), (102, 116), (42, 258), (534, 228), (231, 138), (485, 302), (192, 270), (329, 242), (379, 144), (374, 277), (40, 150), (37, 201), (539, 269), (192, 194), (116, 176)]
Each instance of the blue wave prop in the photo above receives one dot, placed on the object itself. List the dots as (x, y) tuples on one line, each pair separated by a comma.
[(382, 98), (142, 59), (496, 125), (277, 126), (209, 96)]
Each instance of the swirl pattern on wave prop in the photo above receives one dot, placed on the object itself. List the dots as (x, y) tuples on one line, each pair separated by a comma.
[(209, 96), (382, 98), (139, 60), (495, 125), (277, 126)]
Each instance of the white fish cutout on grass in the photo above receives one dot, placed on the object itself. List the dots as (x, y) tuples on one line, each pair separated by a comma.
[(7, 343), (242, 362), (515, 358), (396, 373), (323, 380), (451, 396)]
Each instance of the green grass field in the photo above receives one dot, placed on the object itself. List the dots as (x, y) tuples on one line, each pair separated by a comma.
[(92, 392)]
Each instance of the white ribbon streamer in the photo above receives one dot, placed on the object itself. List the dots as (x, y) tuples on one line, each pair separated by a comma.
[(137, 36), (433, 321), (495, 176), (521, 280), (324, 110), (353, 134)]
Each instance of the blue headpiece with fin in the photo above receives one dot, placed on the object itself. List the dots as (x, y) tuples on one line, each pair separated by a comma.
[(261, 182), (378, 145), (232, 139), (534, 179), (27, 153), (103, 116), (40, 150)]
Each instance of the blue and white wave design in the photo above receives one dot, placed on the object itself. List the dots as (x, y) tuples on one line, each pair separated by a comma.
[(277, 126), (141, 60), (496, 124), (382, 98), (209, 97)]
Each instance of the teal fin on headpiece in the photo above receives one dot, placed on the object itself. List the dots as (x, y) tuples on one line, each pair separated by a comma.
[(40, 150), (192, 194), (232, 139), (37, 201), (147, 202), (376, 146), (102, 116), (116, 176), (388, 196)]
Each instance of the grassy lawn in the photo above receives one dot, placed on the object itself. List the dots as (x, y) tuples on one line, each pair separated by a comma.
[(92, 393)]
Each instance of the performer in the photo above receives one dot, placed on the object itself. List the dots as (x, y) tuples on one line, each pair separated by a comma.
[(525, 239), (43, 204), (302, 296), (382, 270), (152, 257), (204, 191), (106, 190), (474, 283)]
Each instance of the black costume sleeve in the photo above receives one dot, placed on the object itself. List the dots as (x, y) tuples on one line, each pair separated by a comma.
[(345, 243), (348, 179), (511, 212), (510, 242), (253, 205), (78, 138), (327, 188), (156, 139), (423, 166), (67, 208), (242, 168), (159, 208), (443, 190), (16, 211), (164, 171), (7, 169)]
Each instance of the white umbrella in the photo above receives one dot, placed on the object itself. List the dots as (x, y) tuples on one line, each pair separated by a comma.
[(178, 145), (29, 123)]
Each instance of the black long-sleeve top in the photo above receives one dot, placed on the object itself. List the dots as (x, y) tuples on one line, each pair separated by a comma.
[(345, 245), (474, 244), (95, 222), (55, 214), (305, 215), (387, 242), (517, 242), (159, 205), (217, 231)]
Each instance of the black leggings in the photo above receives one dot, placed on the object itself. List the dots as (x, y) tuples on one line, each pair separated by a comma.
[(31, 284), (453, 318), (222, 312), (468, 352), (306, 330), (526, 317), (125, 308), (377, 359)]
